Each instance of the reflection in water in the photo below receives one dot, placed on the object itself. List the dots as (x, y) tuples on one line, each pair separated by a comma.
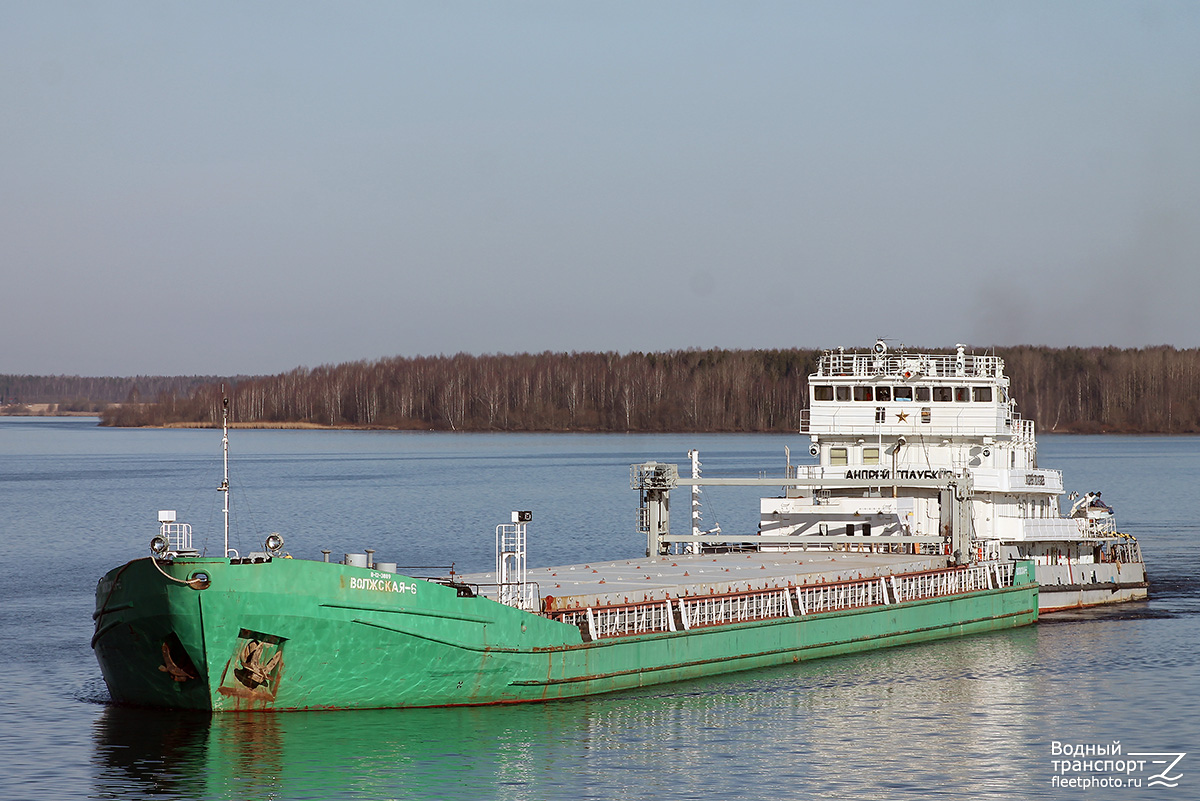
[(144, 753), (844, 725)]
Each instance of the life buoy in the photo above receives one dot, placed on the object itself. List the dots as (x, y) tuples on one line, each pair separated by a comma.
[(907, 374)]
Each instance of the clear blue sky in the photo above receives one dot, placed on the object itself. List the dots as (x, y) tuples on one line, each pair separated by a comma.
[(249, 187)]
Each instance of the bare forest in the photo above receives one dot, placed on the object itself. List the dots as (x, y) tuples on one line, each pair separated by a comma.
[(1088, 390), (72, 393)]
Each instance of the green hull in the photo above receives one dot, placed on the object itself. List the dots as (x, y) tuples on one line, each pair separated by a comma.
[(291, 634)]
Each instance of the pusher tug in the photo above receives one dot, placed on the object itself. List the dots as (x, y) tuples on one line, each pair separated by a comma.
[(916, 427), (265, 632)]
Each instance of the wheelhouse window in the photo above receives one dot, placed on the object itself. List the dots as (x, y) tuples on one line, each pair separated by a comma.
[(942, 394), (981, 394), (871, 455), (843, 393), (837, 457), (864, 394), (902, 393), (823, 392), (922, 394), (883, 393), (962, 394)]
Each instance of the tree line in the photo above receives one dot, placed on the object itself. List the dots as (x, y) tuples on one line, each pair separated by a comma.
[(718, 390), (1118, 390), (1151, 390), (90, 393)]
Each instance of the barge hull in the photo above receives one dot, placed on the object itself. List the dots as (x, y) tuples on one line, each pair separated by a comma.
[(292, 635)]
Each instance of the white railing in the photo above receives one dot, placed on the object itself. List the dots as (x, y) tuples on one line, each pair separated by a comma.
[(179, 537), (1023, 430), (619, 621), (1097, 526), (718, 610), (846, 595), (639, 619), (1126, 551), (837, 363), (721, 609), (951, 582)]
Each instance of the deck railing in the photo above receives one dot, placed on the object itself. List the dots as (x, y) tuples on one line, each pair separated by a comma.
[(179, 537), (1096, 526), (720, 609), (1126, 551), (690, 612), (1022, 429), (951, 582), (868, 365)]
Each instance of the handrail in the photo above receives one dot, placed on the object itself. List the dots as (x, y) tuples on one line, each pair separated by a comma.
[(718, 609), (522, 595), (910, 366), (179, 537)]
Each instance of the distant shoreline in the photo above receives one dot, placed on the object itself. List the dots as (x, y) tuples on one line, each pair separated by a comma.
[(1094, 390), (304, 426), (45, 410), (296, 425), (40, 410)]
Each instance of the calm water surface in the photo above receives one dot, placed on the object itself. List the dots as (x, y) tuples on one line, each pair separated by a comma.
[(955, 719)]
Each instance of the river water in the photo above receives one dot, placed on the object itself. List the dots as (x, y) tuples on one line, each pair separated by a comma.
[(985, 715)]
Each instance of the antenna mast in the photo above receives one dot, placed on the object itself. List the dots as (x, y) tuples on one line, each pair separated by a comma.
[(225, 453)]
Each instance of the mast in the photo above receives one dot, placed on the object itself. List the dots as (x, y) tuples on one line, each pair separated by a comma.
[(225, 460)]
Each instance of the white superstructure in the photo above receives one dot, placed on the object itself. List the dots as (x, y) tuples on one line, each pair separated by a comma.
[(935, 456)]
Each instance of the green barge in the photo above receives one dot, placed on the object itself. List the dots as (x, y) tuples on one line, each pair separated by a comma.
[(265, 632), (287, 634)]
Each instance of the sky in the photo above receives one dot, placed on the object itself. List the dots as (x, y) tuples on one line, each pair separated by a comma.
[(229, 188)]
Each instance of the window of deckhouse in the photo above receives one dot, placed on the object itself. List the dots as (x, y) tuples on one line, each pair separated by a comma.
[(962, 394), (837, 457), (926, 414), (903, 393), (923, 394), (822, 392), (863, 394), (880, 414), (883, 393), (942, 394), (981, 394), (871, 455), (843, 393)]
